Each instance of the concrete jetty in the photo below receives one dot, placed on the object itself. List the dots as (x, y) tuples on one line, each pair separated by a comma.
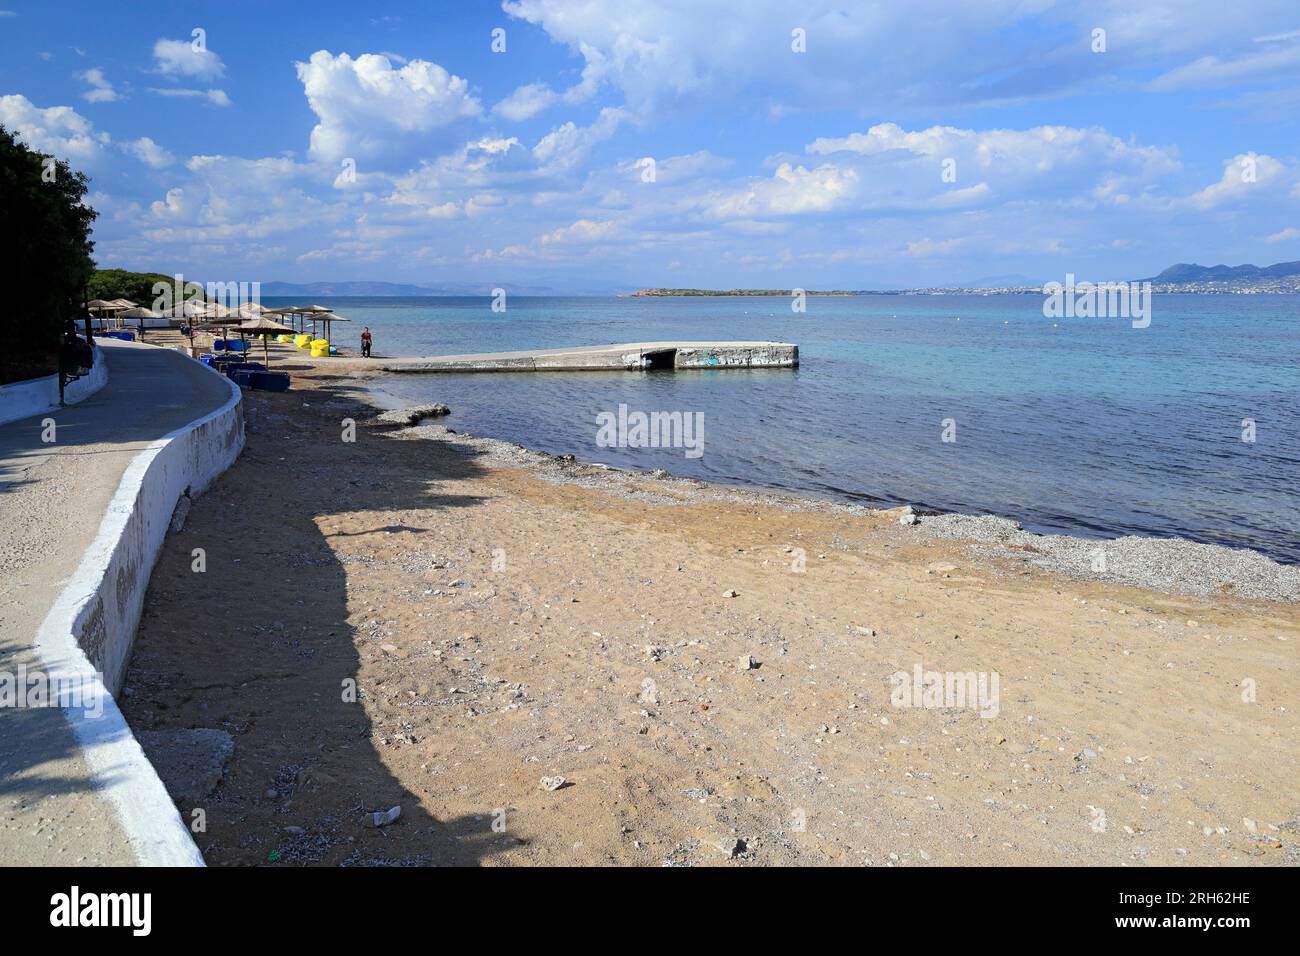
[(633, 356)]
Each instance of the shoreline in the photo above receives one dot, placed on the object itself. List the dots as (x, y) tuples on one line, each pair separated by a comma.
[(1141, 561)]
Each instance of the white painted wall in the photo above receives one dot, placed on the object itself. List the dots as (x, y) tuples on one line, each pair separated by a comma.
[(39, 395), (89, 631)]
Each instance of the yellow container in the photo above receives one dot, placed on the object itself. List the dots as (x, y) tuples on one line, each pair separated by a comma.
[(284, 338), (320, 343), (302, 341), (320, 353)]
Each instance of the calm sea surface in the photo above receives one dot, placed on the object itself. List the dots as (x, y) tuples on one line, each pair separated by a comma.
[(1089, 427)]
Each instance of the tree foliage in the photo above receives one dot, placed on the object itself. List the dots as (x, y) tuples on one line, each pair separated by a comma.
[(45, 232), (121, 284)]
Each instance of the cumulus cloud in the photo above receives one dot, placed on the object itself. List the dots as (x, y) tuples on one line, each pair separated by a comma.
[(1246, 177), (181, 59), (58, 130), (364, 105), (101, 91), (568, 145), (944, 167), (791, 190), (149, 152)]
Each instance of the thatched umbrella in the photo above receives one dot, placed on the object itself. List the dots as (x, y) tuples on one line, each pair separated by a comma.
[(314, 312), (141, 314), (215, 324), (107, 309), (264, 327), (332, 317)]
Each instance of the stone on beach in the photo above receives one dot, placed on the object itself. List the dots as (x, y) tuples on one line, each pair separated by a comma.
[(190, 762)]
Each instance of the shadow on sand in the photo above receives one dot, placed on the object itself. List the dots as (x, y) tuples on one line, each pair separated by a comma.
[(259, 644)]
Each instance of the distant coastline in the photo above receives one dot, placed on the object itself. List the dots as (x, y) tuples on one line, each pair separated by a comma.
[(1184, 277), (783, 293)]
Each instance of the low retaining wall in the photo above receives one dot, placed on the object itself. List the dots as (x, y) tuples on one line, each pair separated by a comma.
[(88, 634), (38, 395)]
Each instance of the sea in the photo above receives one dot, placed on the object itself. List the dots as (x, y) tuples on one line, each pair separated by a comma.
[(1188, 427)]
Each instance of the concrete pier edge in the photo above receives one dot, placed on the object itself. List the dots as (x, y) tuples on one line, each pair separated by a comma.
[(629, 356), (89, 607)]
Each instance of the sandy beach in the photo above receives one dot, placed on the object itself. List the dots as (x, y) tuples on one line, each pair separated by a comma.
[(449, 624)]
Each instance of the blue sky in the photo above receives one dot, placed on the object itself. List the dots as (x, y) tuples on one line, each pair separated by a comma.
[(908, 144)]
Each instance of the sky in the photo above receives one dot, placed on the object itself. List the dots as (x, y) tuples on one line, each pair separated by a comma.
[(584, 146)]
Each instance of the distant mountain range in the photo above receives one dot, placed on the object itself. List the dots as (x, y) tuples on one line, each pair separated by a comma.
[(1191, 272)]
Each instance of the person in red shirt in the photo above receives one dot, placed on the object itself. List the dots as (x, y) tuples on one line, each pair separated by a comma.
[(365, 342)]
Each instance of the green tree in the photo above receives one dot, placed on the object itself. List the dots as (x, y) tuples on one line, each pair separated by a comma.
[(121, 284), (45, 248)]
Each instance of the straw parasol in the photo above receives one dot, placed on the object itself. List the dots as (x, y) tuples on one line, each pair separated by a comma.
[(264, 327), (108, 310), (332, 317), (190, 309)]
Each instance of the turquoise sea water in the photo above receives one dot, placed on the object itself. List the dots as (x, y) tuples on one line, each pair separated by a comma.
[(1090, 427)]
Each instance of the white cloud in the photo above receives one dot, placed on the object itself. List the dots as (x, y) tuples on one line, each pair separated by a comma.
[(872, 57), (180, 59), (1005, 154), (1247, 176), (792, 190), (215, 97), (58, 130), (943, 167), (1214, 70), (1284, 235), (149, 152), (364, 105), (582, 232), (526, 102), (930, 247), (567, 146), (101, 91)]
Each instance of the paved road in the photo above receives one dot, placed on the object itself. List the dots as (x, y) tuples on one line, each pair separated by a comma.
[(52, 499)]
